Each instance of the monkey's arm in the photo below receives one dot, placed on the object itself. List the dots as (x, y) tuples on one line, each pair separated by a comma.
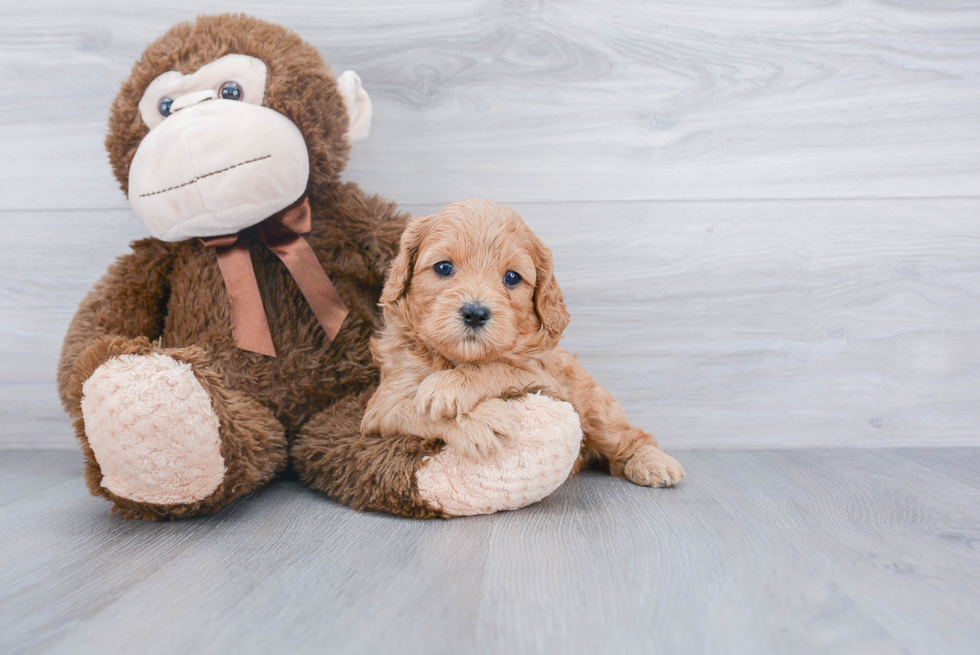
[(366, 471), (129, 301)]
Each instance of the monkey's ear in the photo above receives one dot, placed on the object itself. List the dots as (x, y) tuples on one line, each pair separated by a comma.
[(358, 105)]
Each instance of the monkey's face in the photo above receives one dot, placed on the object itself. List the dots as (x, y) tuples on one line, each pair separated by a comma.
[(229, 141), (215, 160)]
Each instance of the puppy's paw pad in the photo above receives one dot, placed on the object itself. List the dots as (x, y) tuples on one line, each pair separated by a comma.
[(652, 467)]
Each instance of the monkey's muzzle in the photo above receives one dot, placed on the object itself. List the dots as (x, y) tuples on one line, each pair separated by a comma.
[(215, 168)]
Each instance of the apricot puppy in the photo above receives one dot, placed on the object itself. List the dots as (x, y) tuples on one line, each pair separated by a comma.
[(473, 316)]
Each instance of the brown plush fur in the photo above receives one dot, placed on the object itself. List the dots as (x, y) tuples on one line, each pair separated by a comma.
[(440, 377), (367, 472), (170, 297), (253, 444)]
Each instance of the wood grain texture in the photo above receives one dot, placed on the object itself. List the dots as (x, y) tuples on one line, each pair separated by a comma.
[(747, 324), (527, 100), (31, 416), (737, 322), (839, 551), (961, 464), (26, 472)]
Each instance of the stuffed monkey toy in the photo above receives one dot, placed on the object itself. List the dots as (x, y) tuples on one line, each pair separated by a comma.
[(236, 338)]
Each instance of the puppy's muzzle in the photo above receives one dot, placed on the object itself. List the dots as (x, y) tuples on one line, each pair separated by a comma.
[(475, 315)]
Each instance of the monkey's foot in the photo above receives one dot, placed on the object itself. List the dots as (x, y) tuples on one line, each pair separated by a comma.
[(152, 429), (524, 471)]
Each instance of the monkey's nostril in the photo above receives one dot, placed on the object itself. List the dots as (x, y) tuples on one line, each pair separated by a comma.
[(475, 315)]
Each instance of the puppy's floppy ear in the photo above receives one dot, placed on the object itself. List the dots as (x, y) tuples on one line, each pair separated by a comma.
[(400, 272), (548, 301)]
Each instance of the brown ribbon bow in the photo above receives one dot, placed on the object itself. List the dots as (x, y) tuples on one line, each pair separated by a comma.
[(282, 233)]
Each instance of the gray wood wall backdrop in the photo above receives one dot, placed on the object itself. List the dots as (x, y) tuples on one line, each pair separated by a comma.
[(765, 214)]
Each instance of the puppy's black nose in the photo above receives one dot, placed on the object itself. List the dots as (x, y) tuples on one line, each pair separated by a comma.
[(475, 314)]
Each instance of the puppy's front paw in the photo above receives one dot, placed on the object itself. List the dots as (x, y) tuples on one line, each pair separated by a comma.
[(652, 467), (442, 395), (482, 433), (474, 440), (434, 401), (500, 417)]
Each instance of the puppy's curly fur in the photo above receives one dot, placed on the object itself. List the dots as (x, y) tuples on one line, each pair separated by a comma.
[(445, 376)]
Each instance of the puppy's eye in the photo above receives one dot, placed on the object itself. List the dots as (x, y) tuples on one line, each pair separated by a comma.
[(164, 107), (231, 91), (443, 269), (512, 278)]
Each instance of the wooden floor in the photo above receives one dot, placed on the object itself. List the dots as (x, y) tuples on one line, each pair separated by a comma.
[(791, 551)]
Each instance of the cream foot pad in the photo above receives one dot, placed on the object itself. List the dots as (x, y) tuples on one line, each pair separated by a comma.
[(524, 473), (153, 431)]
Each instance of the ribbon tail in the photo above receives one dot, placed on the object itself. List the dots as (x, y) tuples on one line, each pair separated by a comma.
[(316, 287), (249, 324)]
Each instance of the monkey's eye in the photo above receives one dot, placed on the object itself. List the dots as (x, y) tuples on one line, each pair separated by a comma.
[(231, 91), (443, 269), (164, 107), (512, 278)]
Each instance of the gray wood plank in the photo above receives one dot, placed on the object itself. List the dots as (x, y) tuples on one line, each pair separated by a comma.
[(554, 101), (331, 557), (63, 557), (689, 570), (338, 580), (893, 533), (25, 472), (960, 464), (31, 416), (839, 551), (751, 554), (756, 323)]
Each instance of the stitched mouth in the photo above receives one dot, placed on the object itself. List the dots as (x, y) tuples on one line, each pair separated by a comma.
[(201, 177)]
